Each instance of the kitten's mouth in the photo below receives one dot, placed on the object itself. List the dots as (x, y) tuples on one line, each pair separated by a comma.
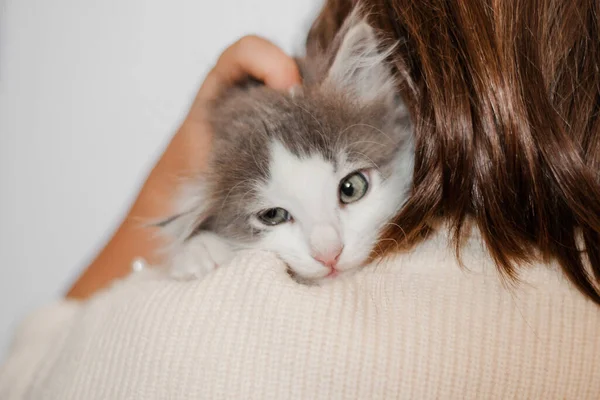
[(333, 273)]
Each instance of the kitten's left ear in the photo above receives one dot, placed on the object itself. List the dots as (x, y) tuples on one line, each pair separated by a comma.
[(360, 66), (193, 213)]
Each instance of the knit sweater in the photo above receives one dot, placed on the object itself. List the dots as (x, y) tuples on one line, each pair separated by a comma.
[(418, 326)]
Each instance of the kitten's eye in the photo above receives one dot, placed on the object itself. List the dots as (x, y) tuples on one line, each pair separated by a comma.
[(274, 216), (353, 187)]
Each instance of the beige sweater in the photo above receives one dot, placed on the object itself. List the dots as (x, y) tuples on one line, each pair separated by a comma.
[(417, 327)]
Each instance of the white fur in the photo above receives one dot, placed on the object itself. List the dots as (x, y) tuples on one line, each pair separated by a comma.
[(194, 257), (308, 189), (200, 255)]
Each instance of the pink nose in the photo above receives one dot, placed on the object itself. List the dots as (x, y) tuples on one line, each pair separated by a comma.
[(329, 258)]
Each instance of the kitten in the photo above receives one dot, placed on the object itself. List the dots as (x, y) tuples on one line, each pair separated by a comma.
[(312, 175)]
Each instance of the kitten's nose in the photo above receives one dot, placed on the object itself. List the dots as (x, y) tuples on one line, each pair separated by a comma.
[(326, 244), (330, 257)]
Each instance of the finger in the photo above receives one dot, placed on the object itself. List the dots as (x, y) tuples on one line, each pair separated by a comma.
[(251, 56)]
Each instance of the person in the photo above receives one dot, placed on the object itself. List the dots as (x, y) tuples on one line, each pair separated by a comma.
[(505, 97)]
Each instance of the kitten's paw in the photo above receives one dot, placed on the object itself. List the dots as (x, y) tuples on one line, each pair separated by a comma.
[(199, 256)]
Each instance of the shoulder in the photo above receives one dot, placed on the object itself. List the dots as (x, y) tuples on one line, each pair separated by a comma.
[(416, 323)]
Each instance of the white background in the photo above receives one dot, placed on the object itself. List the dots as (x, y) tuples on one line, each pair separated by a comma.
[(90, 93)]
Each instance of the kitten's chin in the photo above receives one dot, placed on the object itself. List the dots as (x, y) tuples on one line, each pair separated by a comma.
[(302, 279), (322, 280), (320, 275)]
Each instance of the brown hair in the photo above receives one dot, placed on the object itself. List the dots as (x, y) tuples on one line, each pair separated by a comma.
[(505, 98)]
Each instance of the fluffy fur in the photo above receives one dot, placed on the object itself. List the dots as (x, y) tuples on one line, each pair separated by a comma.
[(292, 151)]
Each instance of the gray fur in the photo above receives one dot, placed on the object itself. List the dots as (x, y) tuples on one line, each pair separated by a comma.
[(328, 115)]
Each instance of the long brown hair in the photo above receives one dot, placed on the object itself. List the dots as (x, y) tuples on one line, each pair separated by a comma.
[(505, 98)]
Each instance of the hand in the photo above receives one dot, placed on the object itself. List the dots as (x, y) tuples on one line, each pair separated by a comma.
[(186, 154), (250, 56)]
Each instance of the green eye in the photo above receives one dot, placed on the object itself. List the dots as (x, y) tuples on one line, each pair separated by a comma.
[(353, 188), (274, 216)]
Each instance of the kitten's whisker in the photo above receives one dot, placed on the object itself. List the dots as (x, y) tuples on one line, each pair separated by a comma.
[(368, 126), (397, 245), (367, 157), (261, 167), (313, 117), (340, 133), (397, 226), (375, 128), (368, 141), (320, 132), (241, 200), (228, 194), (376, 263)]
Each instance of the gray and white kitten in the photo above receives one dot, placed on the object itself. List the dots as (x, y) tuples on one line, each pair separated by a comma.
[(312, 175)]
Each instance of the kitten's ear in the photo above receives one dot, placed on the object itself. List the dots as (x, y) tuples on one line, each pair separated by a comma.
[(193, 215), (360, 66)]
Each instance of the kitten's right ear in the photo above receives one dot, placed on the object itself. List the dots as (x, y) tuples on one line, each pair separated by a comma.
[(359, 66)]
